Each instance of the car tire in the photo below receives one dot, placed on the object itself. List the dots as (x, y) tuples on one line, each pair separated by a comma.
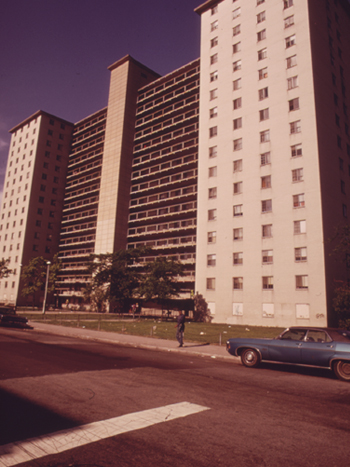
[(250, 358), (342, 370)]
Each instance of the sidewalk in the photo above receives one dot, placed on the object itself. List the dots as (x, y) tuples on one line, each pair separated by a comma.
[(149, 343)]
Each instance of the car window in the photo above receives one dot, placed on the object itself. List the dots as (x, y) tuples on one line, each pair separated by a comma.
[(294, 334), (318, 336)]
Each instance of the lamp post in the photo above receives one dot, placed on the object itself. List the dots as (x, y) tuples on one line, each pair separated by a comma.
[(46, 285)]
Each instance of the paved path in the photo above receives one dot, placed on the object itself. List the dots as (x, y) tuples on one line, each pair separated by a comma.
[(213, 351)]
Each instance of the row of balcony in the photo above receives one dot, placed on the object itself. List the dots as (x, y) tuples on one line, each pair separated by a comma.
[(176, 94), (167, 85)]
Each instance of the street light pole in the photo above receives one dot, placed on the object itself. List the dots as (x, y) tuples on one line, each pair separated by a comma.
[(46, 285)]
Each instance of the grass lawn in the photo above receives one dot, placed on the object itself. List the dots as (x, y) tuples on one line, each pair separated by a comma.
[(194, 332)]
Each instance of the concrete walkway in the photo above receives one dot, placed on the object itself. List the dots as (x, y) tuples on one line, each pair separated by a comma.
[(150, 343)]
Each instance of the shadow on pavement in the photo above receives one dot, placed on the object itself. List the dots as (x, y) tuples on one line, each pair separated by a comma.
[(22, 419)]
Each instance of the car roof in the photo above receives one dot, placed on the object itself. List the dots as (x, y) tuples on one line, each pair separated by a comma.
[(337, 334)]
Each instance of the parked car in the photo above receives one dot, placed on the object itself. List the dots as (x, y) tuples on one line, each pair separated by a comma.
[(321, 347), (8, 317)]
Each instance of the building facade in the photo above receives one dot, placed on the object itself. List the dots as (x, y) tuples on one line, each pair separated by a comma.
[(163, 192), (273, 175), (33, 196)]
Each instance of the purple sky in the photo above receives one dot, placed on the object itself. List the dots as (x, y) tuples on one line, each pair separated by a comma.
[(54, 53)]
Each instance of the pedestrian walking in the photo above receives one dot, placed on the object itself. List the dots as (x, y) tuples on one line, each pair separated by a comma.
[(180, 328)]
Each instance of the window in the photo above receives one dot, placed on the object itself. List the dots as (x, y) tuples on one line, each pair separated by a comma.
[(237, 84), (237, 65), (238, 210), (237, 144), (262, 54), (263, 93), (213, 112), (299, 227), (212, 192), (293, 104), (266, 181), (213, 94), (213, 131), (237, 258), (238, 283), (213, 151), (214, 76), (300, 254), (291, 61), (265, 158), (237, 165), (237, 123), (238, 234), (214, 10), (345, 210), (214, 25), (214, 42), (290, 41), (236, 30), (261, 35), (266, 205), (342, 186), (289, 21), (211, 260), (211, 283), (212, 214), (301, 282), (267, 256), (236, 47), (212, 171), (237, 103), (211, 237), (261, 17), (267, 282), (236, 13), (263, 73), (299, 201), (288, 3), (265, 136), (213, 59), (259, 2), (295, 127), (263, 115), (292, 82), (297, 175), (237, 188)]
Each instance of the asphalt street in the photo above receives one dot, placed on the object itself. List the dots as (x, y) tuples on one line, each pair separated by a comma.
[(157, 405)]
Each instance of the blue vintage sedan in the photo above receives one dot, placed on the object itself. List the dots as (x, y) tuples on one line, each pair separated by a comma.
[(321, 347)]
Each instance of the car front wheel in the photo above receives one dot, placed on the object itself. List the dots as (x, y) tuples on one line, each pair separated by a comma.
[(250, 358), (342, 370)]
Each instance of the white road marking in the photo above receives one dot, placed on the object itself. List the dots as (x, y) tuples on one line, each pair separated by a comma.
[(55, 443)]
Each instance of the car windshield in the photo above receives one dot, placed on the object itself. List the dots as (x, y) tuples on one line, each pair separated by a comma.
[(340, 335), (293, 334)]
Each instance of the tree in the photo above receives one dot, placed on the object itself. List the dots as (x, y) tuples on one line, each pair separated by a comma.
[(115, 278), (201, 312), (34, 276), (160, 280), (4, 270), (341, 300), (341, 304)]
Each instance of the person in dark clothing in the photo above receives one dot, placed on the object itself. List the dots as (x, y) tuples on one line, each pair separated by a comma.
[(180, 328)]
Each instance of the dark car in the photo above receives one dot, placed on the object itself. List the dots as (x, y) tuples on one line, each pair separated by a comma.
[(8, 317), (321, 347)]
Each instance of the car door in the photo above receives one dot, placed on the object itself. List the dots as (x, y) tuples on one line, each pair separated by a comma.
[(287, 348), (317, 349)]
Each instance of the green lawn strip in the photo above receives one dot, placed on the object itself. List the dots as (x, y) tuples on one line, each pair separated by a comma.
[(194, 332)]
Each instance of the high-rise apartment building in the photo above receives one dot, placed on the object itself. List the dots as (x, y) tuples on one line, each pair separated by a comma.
[(163, 193), (33, 196), (274, 147), (243, 176)]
